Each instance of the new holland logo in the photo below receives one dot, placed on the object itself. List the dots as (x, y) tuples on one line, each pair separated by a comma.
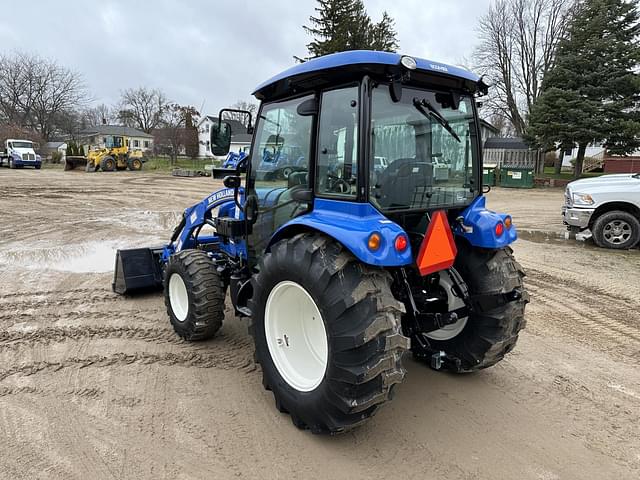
[(228, 192), (441, 68)]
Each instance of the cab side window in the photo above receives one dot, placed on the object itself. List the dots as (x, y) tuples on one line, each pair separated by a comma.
[(337, 143)]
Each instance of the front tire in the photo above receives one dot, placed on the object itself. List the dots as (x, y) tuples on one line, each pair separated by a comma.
[(616, 229), (108, 164), (491, 332), (327, 333), (194, 295)]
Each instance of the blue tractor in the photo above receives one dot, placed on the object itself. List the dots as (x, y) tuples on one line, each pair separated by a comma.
[(347, 264)]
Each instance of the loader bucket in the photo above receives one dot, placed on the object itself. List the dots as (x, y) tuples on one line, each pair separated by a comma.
[(137, 270), (74, 161)]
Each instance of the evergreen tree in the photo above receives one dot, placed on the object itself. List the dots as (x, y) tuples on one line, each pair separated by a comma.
[(592, 91), (81, 150), (345, 25)]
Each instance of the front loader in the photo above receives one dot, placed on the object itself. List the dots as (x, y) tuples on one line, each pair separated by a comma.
[(347, 263), (115, 155)]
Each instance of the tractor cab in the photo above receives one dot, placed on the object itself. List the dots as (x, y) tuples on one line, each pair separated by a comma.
[(389, 135)]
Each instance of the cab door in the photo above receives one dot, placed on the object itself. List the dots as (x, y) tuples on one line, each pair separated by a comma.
[(280, 165)]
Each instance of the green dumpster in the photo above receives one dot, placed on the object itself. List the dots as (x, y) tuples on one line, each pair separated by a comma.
[(513, 177), (489, 176)]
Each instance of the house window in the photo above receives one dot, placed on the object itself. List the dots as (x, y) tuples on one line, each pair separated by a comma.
[(104, 140), (206, 128), (146, 144), (136, 143), (208, 147)]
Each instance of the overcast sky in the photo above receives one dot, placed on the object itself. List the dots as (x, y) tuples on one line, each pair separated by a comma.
[(209, 52)]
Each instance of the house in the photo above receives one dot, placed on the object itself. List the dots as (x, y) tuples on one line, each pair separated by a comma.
[(512, 152), (97, 137), (594, 157), (487, 130), (49, 148), (240, 139)]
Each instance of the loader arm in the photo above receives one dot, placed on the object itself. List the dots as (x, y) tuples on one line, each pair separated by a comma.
[(142, 268)]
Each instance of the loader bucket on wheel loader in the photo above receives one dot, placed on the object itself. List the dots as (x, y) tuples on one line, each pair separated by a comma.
[(137, 270), (71, 162)]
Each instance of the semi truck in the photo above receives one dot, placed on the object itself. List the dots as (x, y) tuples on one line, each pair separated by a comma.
[(19, 153)]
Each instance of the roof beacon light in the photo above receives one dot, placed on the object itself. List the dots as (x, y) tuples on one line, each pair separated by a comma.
[(408, 62)]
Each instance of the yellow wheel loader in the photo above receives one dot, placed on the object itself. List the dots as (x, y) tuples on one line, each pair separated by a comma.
[(114, 156)]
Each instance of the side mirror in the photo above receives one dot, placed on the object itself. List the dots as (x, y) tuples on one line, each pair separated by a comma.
[(232, 181), (220, 138)]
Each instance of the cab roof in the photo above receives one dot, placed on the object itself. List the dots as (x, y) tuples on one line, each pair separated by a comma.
[(338, 66)]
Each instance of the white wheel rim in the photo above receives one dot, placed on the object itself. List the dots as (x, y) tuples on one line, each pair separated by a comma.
[(178, 297), (296, 336), (454, 302)]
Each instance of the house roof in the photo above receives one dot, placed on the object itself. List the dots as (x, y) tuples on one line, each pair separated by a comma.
[(506, 143), (54, 144), (115, 130), (238, 130), (488, 125)]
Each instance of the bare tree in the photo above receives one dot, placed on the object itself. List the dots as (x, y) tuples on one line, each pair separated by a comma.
[(35, 92), (242, 105), (518, 41), (98, 115), (177, 133), (142, 108)]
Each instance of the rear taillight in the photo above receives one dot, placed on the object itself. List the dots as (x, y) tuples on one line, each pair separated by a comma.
[(401, 243)]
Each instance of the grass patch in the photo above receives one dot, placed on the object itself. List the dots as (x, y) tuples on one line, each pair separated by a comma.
[(549, 172), (163, 164)]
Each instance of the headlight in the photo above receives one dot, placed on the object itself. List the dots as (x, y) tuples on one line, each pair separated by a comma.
[(582, 199)]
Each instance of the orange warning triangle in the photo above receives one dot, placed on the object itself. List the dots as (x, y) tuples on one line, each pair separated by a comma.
[(438, 250)]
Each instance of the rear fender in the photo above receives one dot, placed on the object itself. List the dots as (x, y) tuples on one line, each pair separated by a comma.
[(351, 224), (478, 226)]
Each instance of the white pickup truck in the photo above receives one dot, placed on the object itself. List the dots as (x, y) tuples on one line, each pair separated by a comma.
[(607, 206), (18, 154)]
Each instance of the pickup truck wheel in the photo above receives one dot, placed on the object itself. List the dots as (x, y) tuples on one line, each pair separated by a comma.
[(616, 229)]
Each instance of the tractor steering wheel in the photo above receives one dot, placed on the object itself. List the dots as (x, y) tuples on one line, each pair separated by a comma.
[(338, 185)]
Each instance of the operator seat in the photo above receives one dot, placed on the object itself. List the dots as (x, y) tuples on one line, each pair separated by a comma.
[(402, 180)]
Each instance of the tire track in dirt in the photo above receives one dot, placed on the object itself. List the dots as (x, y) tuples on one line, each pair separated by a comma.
[(90, 393), (588, 314), (225, 359), (12, 339)]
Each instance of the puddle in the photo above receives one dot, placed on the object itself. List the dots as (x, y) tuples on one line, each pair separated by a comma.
[(144, 220), (541, 236), (89, 257), (581, 240)]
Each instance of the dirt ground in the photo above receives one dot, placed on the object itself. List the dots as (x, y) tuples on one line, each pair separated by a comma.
[(93, 385)]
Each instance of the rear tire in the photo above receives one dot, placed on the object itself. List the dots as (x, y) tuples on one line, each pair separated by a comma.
[(194, 295), (108, 164), (490, 334), (134, 164), (616, 229), (362, 324)]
